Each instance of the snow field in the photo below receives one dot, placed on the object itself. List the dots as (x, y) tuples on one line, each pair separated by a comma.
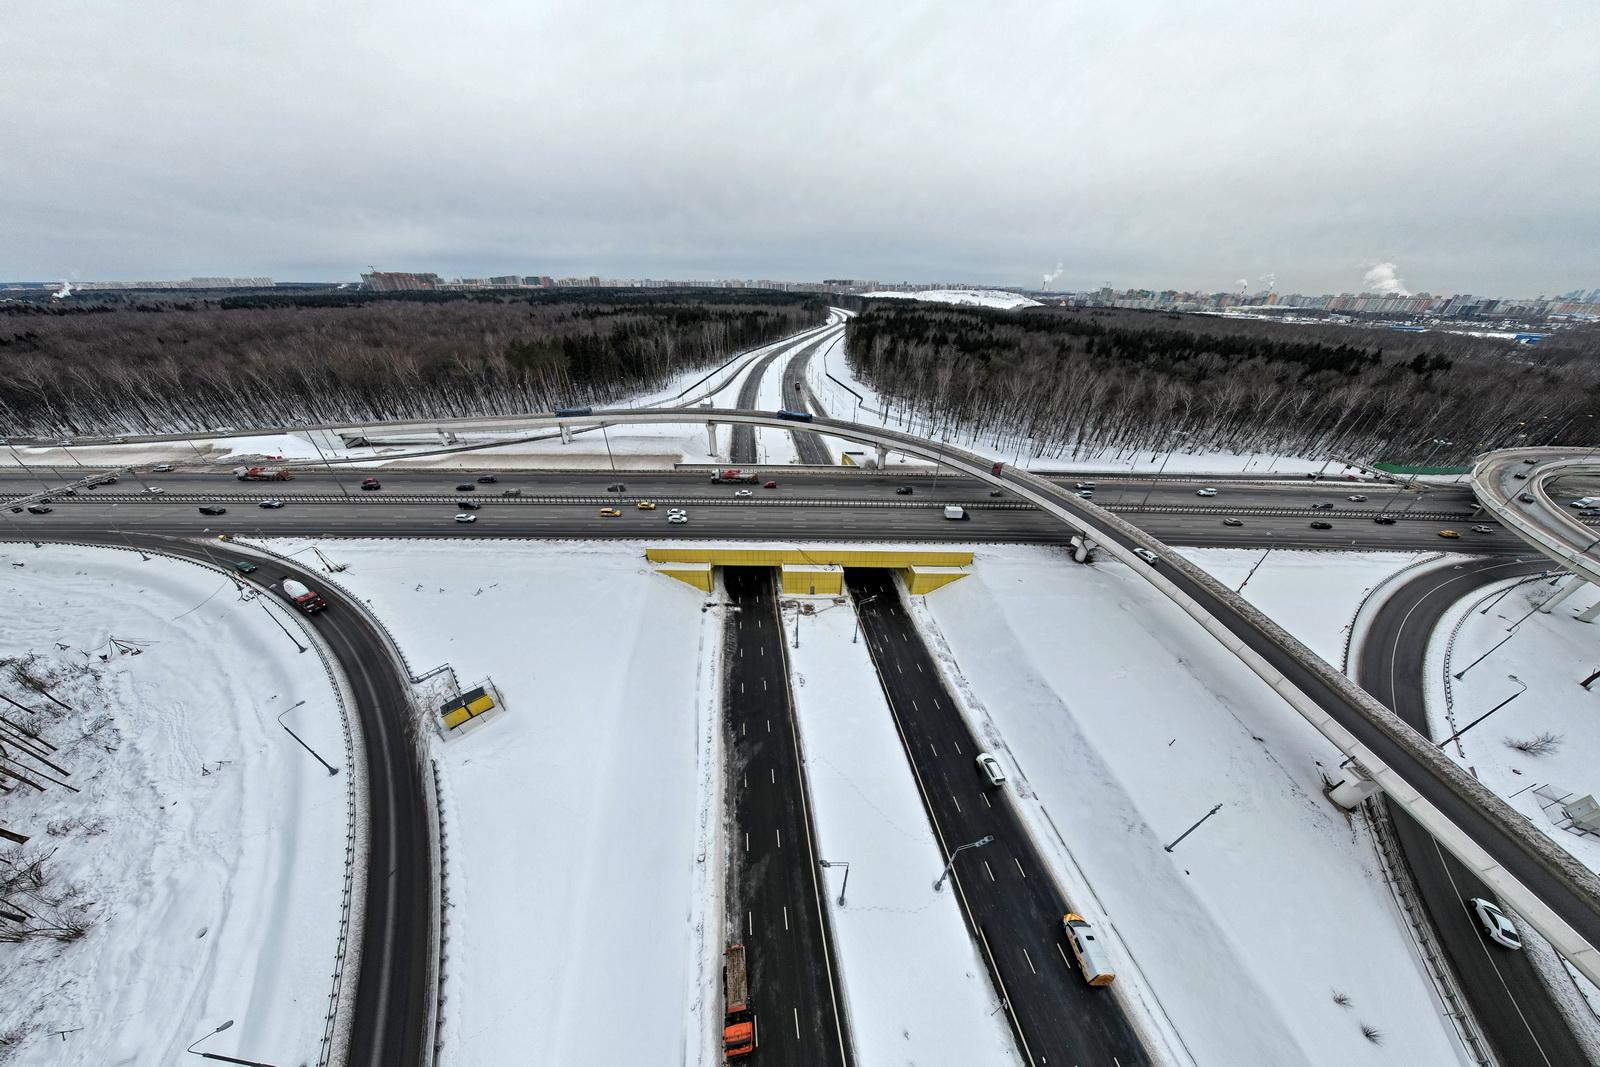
[(208, 845), (1125, 724), (582, 819), (989, 298), (916, 990)]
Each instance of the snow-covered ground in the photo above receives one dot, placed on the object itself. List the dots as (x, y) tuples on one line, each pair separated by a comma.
[(582, 820), (987, 298), (206, 846), (917, 992), (1125, 724), (1552, 653)]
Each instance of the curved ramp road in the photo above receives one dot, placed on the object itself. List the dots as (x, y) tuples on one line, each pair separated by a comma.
[(809, 446), (394, 1003), (1509, 999), (743, 450)]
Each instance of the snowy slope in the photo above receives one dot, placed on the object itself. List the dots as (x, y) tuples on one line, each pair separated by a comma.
[(987, 298), (208, 845), (1126, 724), (581, 820)]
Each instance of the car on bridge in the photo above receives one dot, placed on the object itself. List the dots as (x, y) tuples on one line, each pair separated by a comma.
[(993, 774), (466, 516), (487, 479), (770, 485), (465, 487), (270, 505), (1320, 525), (1083, 485), (1384, 520), (39, 509), (1356, 498), (678, 518), (1482, 529), (646, 505), (1520, 476), (1322, 505), (1086, 494), (468, 505), (616, 487), (162, 468), (1450, 535), (371, 483), (1233, 522), (743, 492), (1208, 491), (245, 567), (154, 490), (213, 509), (1526, 498), (610, 513), (1147, 555), (1495, 923), (903, 490)]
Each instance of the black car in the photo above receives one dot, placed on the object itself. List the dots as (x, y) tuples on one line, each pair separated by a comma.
[(1233, 522), (1519, 475), (1322, 506), (1526, 498), (616, 487), (487, 479), (465, 487), (470, 505), (213, 509), (270, 505), (1384, 520), (997, 492), (16, 509), (39, 509), (1320, 525), (904, 490)]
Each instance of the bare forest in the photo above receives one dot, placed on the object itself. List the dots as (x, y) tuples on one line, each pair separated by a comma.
[(124, 367), (1075, 383)]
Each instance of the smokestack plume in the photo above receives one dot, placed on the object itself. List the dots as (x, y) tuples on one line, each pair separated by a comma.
[(1385, 278)]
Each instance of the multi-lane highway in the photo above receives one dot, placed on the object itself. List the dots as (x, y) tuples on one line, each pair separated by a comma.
[(742, 452), (1509, 999), (774, 904), (1006, 892), (808, 445)]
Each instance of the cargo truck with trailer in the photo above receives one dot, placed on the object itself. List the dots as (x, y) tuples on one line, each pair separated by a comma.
[(738, 1021)]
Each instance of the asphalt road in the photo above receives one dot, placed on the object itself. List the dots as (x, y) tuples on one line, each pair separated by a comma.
[(1008, 897), (742, 452), (1508, 998), (808, 445), (393, 988), (773, 899)]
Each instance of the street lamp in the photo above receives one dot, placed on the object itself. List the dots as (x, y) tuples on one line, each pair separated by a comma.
[(1171, 447), (846, 866), (859, 605), (979, 843), (1490, 712), (219, 1056), (190, 1050)]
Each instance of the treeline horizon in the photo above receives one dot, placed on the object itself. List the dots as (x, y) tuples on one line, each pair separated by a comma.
[(1073, 383), (140, 366)]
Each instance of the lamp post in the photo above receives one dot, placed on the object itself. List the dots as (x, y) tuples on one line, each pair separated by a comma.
[(846, 866), (979, 843), (859, 605), (219, 1056), (1490, 712), (331, 769), (1171, 447)]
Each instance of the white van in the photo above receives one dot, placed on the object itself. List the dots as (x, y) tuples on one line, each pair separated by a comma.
[(1087, 950), (994, 775), (951, 511)]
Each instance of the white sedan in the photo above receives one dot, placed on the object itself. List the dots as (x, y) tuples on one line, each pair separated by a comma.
[(744, 492), (1208, 491), (466, 516), (679, 519), (1496, 924)]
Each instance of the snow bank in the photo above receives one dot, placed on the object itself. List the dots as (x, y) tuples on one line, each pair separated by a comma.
[(209, 846), (581, 820), (916, 989), (1126, 723)]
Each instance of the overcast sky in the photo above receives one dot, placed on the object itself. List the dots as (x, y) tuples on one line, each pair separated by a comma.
[(1187, 145)]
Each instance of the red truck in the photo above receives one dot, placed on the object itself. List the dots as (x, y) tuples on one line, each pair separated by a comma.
[(735, 475), (739, 1022), (307, 600), (261, 474)]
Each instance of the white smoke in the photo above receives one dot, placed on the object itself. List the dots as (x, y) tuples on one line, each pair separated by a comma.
[(1050, 279), (1385, 278), (1269, 281), (1243, 284), (63, 292)]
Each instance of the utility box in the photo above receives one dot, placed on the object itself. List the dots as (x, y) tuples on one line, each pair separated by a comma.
[(1584, 812)]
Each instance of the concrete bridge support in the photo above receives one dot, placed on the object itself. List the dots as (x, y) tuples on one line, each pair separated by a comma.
[(1573, 585), (711, 438)]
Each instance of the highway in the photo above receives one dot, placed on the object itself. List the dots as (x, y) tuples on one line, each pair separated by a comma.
[(1509, 1000), (742, 452), (1007, 894), (809, 446), (774, 906), (394, 994)]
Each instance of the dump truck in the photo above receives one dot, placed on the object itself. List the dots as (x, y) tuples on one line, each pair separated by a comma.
[(738, 1022), (307, 600), (736, 476), (261, 474)]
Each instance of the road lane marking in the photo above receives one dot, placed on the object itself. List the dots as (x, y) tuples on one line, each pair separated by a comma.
[(1019, 866), (773, 771), (747, 840), (986, 801), (914, 706), (780, 838), (750, 924), (1063, 955), (933, 750), (796, 1022), (958, 747), (1029, 958), (786, 916), (988, 870), (957, 803)]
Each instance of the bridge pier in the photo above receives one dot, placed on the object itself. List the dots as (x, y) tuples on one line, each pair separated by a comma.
[(711, 439), (1590, 613), (883, 456), (1574, 584), (566, 433)]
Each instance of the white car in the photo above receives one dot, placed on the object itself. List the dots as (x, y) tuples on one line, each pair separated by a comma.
[(1086, 494), (1208, 491), (1146, 555), (466, 516), (1495, 923), (154, 489), (994, 775), (744, 492), (679, 519), (1083, 485), (162, 467)]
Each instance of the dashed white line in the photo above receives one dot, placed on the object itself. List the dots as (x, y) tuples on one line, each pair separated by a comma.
[(1029, 958), (988, 870), (1019, 866)]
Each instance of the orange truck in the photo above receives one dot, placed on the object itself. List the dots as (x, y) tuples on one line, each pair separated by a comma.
[(739, 1022)]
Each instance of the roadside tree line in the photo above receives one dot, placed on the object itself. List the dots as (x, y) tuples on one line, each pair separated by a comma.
[(134, 367), (1070, 383)]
